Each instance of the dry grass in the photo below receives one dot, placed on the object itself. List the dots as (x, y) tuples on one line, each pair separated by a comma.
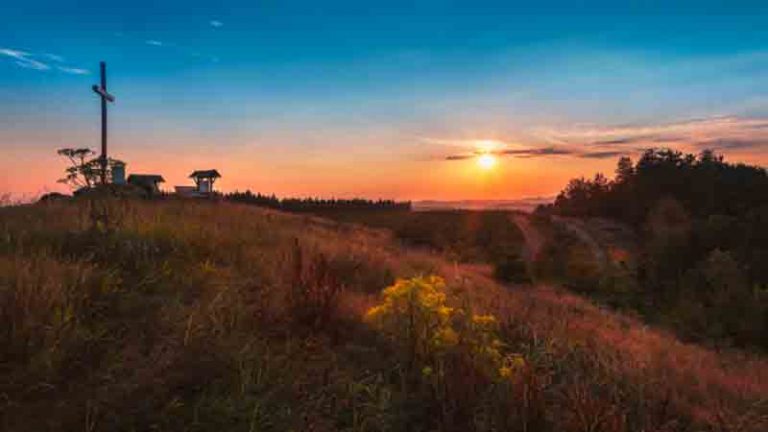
[(198, 316), (628, 368)]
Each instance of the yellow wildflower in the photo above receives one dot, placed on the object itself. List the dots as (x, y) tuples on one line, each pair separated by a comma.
[(484, 320), (374, 313), (518, 361), (415, 312), (446, 337)]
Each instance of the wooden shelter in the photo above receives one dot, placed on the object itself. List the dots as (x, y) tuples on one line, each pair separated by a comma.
[(147, 182), (204, 180)]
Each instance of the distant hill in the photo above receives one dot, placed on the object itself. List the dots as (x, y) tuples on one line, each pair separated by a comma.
[(523, 204), (127, 315)]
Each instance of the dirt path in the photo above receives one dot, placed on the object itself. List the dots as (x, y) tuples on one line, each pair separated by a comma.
[(599, 237), (534, 240)]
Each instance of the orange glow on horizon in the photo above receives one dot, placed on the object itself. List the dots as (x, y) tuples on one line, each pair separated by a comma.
[(336, 164)]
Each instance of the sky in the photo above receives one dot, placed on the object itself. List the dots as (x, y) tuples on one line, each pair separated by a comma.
[(380, 99)]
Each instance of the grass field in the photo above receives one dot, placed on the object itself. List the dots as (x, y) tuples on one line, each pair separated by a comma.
[(470, 236), (183, 315)]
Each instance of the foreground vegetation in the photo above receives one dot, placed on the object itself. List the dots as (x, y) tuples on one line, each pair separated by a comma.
[(179, 315)]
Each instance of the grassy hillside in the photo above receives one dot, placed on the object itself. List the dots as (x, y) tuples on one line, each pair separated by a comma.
[(470, 236), (200, 316)]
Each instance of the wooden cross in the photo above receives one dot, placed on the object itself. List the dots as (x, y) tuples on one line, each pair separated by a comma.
[(105, 97)]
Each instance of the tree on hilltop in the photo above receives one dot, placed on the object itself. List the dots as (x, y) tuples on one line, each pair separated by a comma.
[(84, 170)]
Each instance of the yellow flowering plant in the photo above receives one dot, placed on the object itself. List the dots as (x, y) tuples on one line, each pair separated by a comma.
[(415, 313)]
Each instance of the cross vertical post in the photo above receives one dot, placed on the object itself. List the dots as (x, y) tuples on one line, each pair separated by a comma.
[(103, 67), (105, 97)]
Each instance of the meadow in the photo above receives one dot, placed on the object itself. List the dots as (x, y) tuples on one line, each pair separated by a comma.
[(468, 236), (183, 315), (671, 239)]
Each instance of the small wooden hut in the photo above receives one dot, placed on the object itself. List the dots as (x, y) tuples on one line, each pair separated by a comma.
[(204, 180), (148, 182)]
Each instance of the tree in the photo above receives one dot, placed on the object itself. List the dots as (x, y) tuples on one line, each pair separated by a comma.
[(84, 170), (709, 157), (624, 170)]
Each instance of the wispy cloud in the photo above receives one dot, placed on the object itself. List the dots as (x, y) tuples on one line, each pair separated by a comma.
[(24, 59), (73, 71), (736, 143), (604, 142), (714, 133), (533, 152), (173, 46), (525, 152), (54, 57), (649, 139), (170, 45), (606, 154), (33, 61)]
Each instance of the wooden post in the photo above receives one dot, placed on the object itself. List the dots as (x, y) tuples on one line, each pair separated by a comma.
[(101, 90), (103, 67)]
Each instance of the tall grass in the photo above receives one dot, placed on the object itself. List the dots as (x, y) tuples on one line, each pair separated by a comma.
[(203, 316)]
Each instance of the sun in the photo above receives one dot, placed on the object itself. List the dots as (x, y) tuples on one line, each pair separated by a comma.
[(486, 161)]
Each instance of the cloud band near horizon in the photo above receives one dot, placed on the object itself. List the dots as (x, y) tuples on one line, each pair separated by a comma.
[(594, 142)]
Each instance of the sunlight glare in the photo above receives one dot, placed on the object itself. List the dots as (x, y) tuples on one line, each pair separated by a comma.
[(486, 161)]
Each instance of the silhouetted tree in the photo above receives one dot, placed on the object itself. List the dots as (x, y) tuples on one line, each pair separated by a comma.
[(624, 170), (84, 170)]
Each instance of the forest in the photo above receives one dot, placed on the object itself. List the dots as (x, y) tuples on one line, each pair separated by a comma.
[(702, 225)]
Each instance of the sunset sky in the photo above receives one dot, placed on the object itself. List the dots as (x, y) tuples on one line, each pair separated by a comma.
[(380, 99)]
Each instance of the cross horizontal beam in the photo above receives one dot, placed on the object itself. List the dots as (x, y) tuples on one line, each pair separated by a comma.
[(103, 93)]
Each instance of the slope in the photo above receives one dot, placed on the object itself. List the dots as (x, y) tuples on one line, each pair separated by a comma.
[(209, 316)]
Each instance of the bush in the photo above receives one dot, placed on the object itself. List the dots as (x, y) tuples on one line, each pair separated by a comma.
[(414, 312), (717, 301), (455, 355), (582, 272), (511, 267), (315, 289)]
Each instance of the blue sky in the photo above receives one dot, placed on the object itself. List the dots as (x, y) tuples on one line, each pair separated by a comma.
[(305, 89)]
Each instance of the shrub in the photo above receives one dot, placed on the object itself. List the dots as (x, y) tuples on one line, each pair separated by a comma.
[(510, 267), (582, 271), (456, 355), (315, 289), (415, 313), (716, 301)]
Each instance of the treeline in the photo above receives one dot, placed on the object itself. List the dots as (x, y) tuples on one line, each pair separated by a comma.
[(702, 222), (309, 205), (703, 185)]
